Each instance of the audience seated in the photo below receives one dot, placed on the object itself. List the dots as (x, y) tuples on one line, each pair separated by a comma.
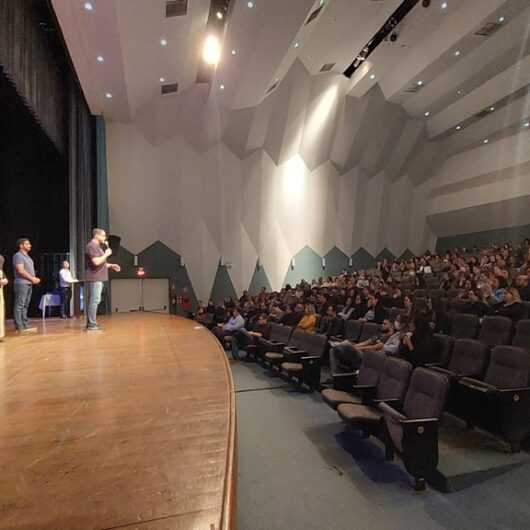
[(417, 345), (309, 320)]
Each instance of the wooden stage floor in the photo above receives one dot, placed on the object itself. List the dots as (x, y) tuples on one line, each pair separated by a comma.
[(131, 428)]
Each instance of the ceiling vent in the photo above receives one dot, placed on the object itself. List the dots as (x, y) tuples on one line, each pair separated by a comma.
[(414, 89), (176, 8), (170, 88), (488, 29), (328, 67), (314, 15)]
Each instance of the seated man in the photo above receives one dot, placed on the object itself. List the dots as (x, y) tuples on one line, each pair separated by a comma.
[(250, 337), (331, 325), (235, 323)]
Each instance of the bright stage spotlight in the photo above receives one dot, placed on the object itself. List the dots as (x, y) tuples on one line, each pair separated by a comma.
[(212, 50)]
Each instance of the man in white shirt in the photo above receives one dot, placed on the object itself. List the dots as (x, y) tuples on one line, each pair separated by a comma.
[(65, 286)]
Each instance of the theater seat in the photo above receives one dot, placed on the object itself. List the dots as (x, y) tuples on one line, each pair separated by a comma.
[(392, 386), (495, 331), (369, 330), (501, 403), (444, 347), (521, 339), (277, 355), (469, 359), (347, 388), (278, 338), (302, 362), (464, 326), (413, 431)]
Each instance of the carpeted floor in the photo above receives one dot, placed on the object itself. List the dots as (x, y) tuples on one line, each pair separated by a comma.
[(298, 470)]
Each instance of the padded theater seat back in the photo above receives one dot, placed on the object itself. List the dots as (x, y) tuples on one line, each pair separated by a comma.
[(315, 344), (426, 394), (352, 330), (394, 379), (464, 326), (509, 368), (521, 339), (298, 339), (372, 367), (370, 329), (495, 331), (280, 333), (444, 346), (469, 357)]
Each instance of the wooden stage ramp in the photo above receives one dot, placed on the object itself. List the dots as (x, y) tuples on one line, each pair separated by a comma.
[(131, 428)]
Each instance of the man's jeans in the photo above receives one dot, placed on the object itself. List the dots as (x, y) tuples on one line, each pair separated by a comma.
[(93, 298), (344, 356), (22, 300)]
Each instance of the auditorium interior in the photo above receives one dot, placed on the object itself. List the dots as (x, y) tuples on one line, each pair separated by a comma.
[(309, 223)]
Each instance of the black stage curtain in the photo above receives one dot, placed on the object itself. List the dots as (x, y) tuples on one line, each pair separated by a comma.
[(33, 58)]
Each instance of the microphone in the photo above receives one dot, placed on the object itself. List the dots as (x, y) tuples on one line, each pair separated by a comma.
[(104, 246)]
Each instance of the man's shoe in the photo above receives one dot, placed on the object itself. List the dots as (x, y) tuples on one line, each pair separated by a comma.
[(28, 330), (94, 328)]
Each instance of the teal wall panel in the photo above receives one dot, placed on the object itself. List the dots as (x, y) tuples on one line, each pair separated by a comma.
[(307, 266), (259, 280), (362, 259), (222, 285), (336, 262), (385, 254)]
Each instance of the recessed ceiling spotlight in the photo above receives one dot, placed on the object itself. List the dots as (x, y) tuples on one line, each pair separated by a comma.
[(492, 109), (219, 15), (372, 76), (163, 42), (427, 114), (322, 2), (527, 124), (162, 79), (88, 6), (444, 5), (500, 20), (457, 53), (460, 92), (296, 44), (420, 83), (486, 141), (250, 4), (234, 52), (100, 59), (212, 50), (108, 95), (221, 87), (458, 127)]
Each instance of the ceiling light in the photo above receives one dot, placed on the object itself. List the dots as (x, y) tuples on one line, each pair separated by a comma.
[(296, 44), (492, 109), (372, 76), (163, 42), (420, 83), (100, 59), (234, 52), (486, 141), (108, 95), (458, 127), (427, 114), (322, 2), (444, 5), (250, 4), (457, 53), (460, 92), (527, 124), (219, 15), (501, 20), (162, 80), (222, 87), (88, 6), (212, 50)]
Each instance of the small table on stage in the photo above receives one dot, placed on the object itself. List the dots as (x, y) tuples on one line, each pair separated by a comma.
[(49, 300)]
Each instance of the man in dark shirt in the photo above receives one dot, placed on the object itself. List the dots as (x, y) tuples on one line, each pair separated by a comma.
[(25, 279), (96, 256)]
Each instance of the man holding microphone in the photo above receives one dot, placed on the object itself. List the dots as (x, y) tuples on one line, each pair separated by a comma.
[(96, 255)]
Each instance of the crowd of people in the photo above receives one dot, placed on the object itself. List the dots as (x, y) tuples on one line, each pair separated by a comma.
[(493, 280)]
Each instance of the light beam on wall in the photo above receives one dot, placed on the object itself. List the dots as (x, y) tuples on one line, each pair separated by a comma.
[(212, 50)]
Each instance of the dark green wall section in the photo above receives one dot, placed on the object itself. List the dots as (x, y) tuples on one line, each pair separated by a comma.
[(336, 262), (408, 254), (222, 286), (502, 235), (307, 266), (385, 254), (362, 259), (102, 193), (259, 280), (159, 261)]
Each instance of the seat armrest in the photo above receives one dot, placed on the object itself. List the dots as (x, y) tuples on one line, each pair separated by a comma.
[(434, 365), (308, 359), (293, 356), (514, 395), (293, 351), (443, 371), (478, 386), (419, 421), (344, 381), (387, 408)]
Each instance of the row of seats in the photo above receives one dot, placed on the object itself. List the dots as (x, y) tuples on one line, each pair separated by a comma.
[(401, 407)]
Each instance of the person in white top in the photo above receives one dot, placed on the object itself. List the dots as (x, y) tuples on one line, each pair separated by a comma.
[(65, 286)]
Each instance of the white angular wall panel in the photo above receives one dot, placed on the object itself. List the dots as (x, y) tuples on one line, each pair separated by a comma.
[(405, 143)]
